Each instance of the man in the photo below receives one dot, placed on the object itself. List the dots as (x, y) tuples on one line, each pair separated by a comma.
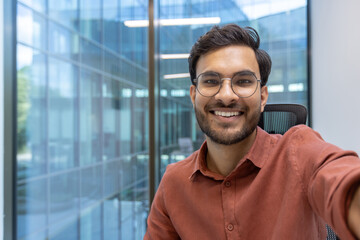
[(244, 183)]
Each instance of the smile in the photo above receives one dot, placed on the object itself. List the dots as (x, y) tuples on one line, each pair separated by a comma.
[(226, 114)]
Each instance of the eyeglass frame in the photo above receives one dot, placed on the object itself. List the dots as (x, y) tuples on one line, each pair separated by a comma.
[(195, 81)]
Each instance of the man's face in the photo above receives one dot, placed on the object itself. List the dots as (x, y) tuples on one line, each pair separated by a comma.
[(212, 113)]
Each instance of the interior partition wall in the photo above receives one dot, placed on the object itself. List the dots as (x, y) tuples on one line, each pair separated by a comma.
[(97, 104)]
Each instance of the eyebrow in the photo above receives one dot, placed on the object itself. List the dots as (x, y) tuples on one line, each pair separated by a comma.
[(243, 72)]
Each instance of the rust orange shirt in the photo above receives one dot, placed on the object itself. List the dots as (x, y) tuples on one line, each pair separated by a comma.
[(285, 187)]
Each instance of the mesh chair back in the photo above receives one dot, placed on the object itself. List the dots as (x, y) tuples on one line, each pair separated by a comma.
[(278, 118)]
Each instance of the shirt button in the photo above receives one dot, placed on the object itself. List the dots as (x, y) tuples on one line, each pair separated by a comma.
[(230, 227), (227, 184)]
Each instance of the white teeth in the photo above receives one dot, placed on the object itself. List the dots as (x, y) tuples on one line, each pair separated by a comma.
[(226, 114)]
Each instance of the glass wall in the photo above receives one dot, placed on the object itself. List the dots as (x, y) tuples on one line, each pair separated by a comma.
[(82, 120), (282, 26)]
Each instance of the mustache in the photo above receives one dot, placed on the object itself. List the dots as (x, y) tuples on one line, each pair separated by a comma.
[(220, 104)]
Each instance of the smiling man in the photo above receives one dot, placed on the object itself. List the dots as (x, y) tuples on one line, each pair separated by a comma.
[(244, 183)]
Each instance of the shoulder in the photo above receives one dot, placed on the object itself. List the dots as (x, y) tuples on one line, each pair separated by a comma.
[(301, 135)]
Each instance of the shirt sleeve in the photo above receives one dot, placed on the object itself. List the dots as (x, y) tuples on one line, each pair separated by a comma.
[(329, 175), (160, 226)]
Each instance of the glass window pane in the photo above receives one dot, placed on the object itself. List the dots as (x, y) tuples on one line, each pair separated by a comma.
[(90, 224), (38, 5), (91, 185), (111, 218), (126, 117), (64, 12), (31, 28), (111, 113), (64, 196), (31, 207), (111, 178), (111, 24), (65, 229), (62, 116), (90, 115), (90, 19), (90, 54), (31, 105), (63, 42)]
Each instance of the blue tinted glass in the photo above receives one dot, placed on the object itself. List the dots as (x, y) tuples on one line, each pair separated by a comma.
[(62, 114), (90, 54), (126, 117), (111, 218), (31, 111), (90, 19), (65, 12), (67, 228), (90, 115), (31, 207), (38, 5), (31, 28), (111, 24), (111, 113), (64, 196), (90, 224), (91, 185), (111, 178), (63, 42)]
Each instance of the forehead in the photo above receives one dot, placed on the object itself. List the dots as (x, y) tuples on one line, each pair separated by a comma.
[(228, 60)]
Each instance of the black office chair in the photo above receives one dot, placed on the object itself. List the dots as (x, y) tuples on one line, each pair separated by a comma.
[(278, 118)]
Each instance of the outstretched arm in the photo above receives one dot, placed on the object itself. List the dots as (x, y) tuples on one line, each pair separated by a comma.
[(354, 214)]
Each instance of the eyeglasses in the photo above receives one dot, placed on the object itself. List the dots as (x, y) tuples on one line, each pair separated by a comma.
[(243, 84)]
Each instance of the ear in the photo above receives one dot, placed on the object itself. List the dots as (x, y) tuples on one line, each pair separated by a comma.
[(192, 94), (264, 97)]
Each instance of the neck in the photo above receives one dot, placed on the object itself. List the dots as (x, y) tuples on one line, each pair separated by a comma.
[(223, 159)]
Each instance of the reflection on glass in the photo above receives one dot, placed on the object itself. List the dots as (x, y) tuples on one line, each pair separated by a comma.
[(91, 185), (111, 178), (111, 218), (90, 54), (38, 5), (90, 124), (31, 28), (64, 12), (61, 123), (65, 229), (126, 118), (90, 224), (31, 207), (64, 196), (111, 25), (90, 19), (63, 42), (31, 103), (111, 113)]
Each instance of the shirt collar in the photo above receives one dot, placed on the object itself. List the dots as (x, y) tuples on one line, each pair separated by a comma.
[(257, 155)]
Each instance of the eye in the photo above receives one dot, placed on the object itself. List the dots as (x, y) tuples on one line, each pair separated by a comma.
[(209, 80), (243, 81)]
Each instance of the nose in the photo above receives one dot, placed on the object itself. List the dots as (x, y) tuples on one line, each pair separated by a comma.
[(226, 93)]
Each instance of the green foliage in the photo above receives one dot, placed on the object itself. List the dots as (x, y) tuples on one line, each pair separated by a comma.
[(23, 106)]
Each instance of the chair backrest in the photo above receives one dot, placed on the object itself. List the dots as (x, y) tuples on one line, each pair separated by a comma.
[(278, 118)]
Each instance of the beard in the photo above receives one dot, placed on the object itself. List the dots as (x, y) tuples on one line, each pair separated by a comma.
[(228, 138)]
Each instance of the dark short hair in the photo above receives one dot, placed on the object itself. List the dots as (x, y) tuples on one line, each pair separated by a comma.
[(227, 35)]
